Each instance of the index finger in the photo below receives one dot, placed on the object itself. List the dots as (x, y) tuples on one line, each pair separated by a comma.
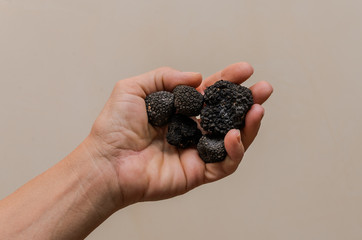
[(161, 79), (236, 73)]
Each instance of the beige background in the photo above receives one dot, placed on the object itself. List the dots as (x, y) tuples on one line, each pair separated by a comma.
[(302, 179)]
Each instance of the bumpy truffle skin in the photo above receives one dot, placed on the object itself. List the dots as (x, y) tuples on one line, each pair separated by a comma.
[(225, 91), (188, 100), (183, 132), (226, 106), (211, 150), (159, 106)]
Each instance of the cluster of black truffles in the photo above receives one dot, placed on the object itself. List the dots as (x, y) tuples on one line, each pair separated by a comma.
[(175, 109), (223, 107)]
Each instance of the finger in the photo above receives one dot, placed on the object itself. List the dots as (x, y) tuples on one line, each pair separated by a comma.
[(261, 91), (194, 167), (235, 151), (252, 124), (166, 79), (237, 73)]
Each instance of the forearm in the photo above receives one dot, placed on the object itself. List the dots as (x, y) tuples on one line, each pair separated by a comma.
[(67, 201)]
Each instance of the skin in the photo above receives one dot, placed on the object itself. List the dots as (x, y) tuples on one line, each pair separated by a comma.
[(124, 160)]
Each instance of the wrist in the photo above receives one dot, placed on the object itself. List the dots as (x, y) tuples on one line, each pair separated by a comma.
[(97, 176), (68, 201)]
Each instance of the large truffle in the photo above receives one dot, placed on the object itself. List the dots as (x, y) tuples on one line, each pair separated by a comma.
[(183, 131), (226, 105), (188, 100), (211, 150), (160, 107)]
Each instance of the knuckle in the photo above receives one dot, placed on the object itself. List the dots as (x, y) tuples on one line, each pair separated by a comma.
[(164, 69)]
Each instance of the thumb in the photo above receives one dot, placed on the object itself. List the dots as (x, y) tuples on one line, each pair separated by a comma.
[(235, 152), (234, 146)]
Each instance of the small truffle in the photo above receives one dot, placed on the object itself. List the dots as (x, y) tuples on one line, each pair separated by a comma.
[(211, 150), (183, 131), (160, 107), (188, 100), (226, 105)]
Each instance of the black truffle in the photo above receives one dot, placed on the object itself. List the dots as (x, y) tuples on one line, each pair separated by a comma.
[(159, 106), (226, 105), (211, 150), (188, 100), (183, 131)]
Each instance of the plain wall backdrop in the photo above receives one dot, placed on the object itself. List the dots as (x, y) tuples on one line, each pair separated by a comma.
[(301, 179)]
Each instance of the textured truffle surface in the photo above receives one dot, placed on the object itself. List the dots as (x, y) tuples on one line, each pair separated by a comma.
[(188, 100), (211, 149), (183, 131), (160, 107), (226, 106)]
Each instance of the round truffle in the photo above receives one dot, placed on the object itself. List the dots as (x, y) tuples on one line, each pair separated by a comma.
[(188, 100), (159, 106), (183, 131), (226, 105), (211, 150)]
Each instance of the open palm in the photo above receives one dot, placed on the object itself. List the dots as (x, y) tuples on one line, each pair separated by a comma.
[(147, 167)]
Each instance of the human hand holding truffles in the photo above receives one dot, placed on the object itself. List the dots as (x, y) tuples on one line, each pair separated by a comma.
[(147, 165)]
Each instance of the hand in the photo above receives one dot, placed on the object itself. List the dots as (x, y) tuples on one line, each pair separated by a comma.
[(145, 165)]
